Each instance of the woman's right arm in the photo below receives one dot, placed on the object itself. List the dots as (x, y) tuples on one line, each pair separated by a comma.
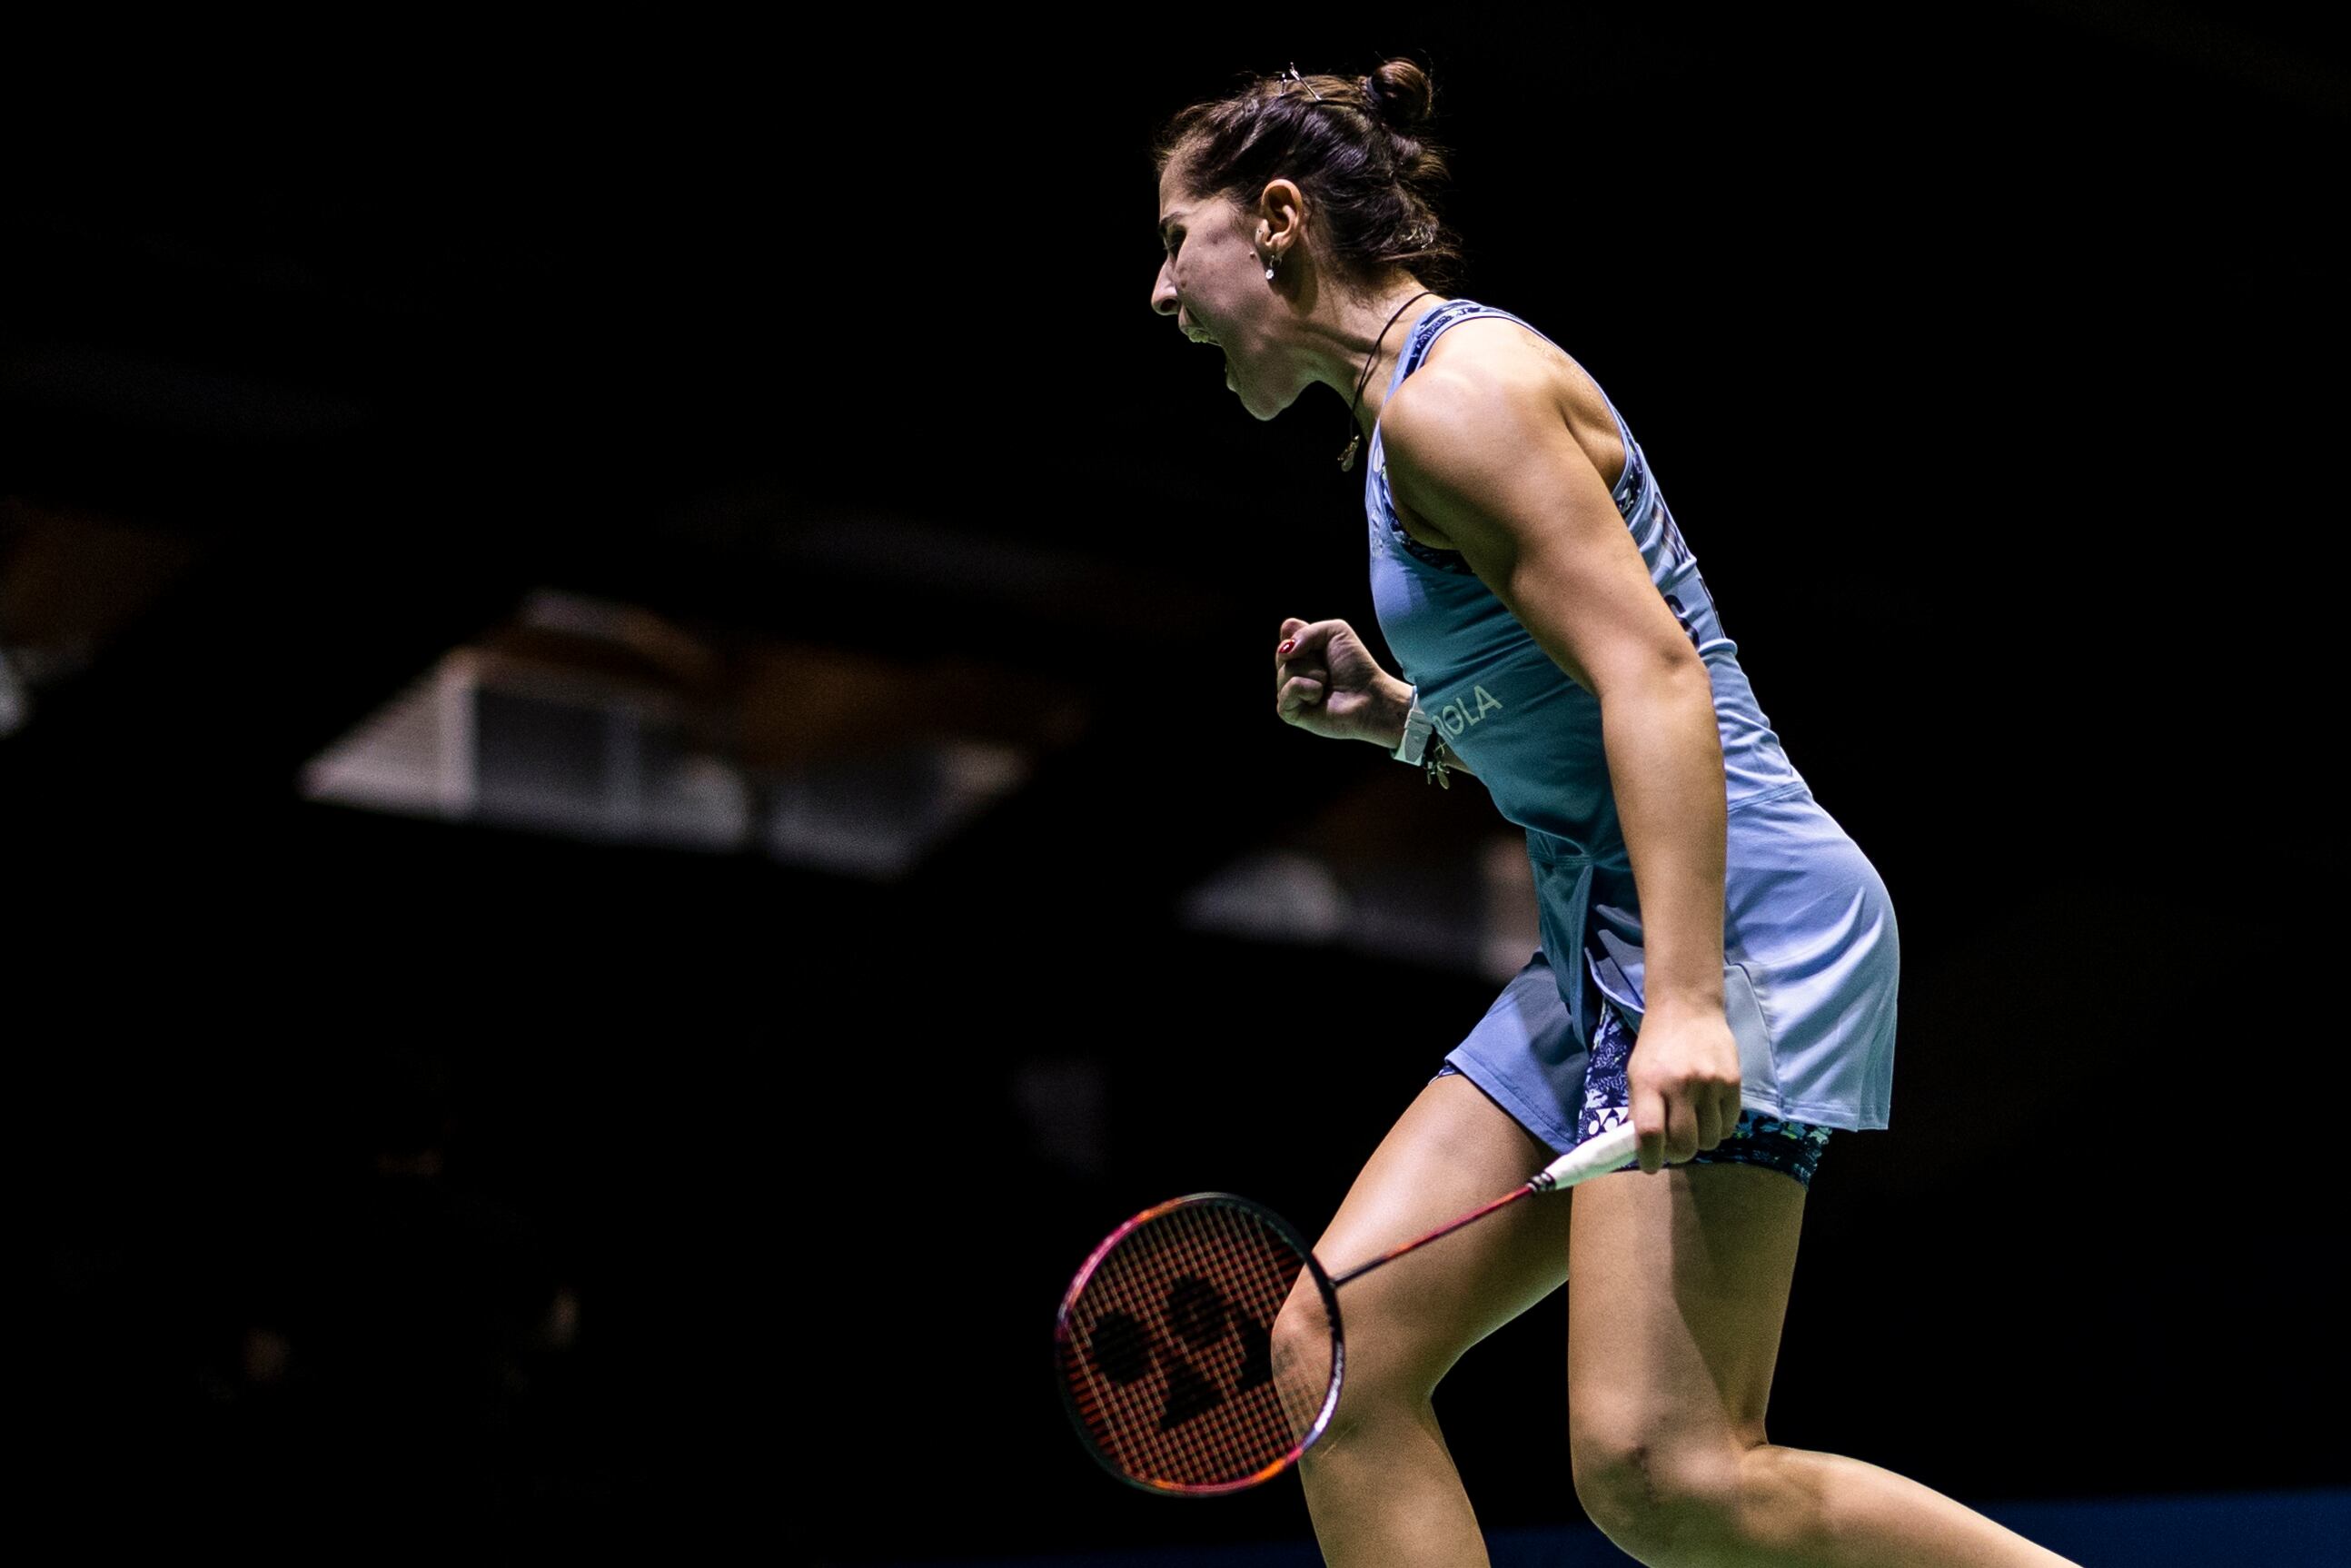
[(1327, 683), (1394, 701)]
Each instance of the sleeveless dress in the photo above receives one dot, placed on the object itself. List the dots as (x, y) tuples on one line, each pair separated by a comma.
[(1811, 950)]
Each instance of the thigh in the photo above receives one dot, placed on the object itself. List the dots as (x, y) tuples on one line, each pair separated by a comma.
[(1678, 1288), (1408, 1322)]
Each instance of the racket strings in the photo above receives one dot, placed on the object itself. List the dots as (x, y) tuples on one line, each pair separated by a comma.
[(1170, 1350)]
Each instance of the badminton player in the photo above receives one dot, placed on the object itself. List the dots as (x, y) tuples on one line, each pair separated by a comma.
[(1719, 959)]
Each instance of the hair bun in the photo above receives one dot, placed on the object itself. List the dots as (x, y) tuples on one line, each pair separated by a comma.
[(1400, 94), (1353, 144)]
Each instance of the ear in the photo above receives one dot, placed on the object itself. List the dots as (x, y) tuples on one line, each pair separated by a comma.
[(1280, 218)]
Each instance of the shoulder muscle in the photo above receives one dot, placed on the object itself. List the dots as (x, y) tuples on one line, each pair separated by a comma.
[(1478, 445)]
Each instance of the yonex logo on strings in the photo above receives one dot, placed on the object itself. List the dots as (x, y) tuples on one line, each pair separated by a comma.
[(1125, 1348)]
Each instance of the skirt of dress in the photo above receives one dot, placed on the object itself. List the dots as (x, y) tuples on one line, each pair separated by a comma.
[(1811, 962)]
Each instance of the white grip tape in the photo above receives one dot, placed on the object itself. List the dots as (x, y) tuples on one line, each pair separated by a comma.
[(1592, 1157)]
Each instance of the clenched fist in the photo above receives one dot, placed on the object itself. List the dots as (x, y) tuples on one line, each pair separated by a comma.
[(1326, 682)]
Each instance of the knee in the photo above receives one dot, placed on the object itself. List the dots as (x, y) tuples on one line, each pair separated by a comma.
[(1662, 1501), (1386, 1373), (1302, 1353)]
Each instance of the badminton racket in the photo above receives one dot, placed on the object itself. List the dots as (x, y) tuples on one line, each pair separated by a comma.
[(1165, 1344)]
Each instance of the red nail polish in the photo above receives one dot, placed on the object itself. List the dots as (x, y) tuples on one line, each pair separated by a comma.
[(1287, 646)]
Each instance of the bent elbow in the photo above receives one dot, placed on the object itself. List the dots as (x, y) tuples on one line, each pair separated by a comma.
[(1670, 673)]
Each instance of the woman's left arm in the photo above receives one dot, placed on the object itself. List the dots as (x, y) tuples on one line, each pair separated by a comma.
[(1486, 460)]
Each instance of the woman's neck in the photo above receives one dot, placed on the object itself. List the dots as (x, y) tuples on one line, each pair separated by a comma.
[(1379, 327)]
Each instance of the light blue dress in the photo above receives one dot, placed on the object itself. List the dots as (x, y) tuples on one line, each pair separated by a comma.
[(1811, 952)]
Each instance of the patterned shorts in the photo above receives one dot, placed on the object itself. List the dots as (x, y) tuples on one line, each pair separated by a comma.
[(1793, 1148)]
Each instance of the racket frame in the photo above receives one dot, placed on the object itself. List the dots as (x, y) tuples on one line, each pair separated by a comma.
[(1066, 1350), (1594, 1156)]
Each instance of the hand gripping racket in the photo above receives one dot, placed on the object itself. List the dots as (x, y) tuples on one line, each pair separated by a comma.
[(1166, 1346)]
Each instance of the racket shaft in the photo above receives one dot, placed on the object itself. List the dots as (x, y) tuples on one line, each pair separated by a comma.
[(1588, 1159), (1447, 1228)]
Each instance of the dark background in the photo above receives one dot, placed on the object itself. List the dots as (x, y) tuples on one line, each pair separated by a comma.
[(1986, 356)]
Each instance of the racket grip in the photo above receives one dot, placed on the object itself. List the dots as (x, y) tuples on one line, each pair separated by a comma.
[(1590, 1158)]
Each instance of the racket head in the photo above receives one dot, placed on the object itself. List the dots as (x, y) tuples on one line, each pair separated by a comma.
[(1163, 1347)]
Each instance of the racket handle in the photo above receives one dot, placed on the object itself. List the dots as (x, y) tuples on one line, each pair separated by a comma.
[(1590, 1158)]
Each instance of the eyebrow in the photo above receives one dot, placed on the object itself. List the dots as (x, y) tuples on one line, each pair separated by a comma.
[(1163, 222)]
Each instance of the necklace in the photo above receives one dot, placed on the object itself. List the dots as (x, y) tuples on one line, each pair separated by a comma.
[(1355, 439)]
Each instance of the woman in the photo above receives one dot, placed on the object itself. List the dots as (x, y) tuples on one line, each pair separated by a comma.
[(1694, 898)]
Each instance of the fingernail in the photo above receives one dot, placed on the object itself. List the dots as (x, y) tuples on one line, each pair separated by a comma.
[(1287, 646)]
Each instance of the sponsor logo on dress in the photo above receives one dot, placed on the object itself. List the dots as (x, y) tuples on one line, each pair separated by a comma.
[(1457, 717)]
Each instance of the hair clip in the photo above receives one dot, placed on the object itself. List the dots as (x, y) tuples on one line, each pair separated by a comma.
[(1286, 77)]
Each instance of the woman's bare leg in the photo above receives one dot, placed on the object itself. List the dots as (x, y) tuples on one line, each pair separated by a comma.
[(1379, 1485), (1680, 1286)]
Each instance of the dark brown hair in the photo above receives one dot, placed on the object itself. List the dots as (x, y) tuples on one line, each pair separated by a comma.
[(1353, 145)]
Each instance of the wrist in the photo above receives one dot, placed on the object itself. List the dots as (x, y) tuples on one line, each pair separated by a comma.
[(1393, 702), (1695, 1001)]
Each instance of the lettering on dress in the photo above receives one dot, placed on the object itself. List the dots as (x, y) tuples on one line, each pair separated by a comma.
[(1455, 717)]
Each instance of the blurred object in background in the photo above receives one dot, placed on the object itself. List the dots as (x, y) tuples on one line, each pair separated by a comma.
[(605, 721), (16, 700), (1389, 869), (71, 581), (1065, 1102), (381, 1335)]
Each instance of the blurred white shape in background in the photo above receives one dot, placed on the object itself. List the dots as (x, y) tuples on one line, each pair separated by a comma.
[(875, 816), (15, 702), (1278, 895), (1363, 875), (1509, 929), (487, 738), (603, 721)]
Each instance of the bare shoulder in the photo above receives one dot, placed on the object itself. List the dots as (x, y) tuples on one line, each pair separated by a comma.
[(1484, 361), (1490, 385)]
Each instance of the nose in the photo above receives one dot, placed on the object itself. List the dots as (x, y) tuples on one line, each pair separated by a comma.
[(1163, 292)]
